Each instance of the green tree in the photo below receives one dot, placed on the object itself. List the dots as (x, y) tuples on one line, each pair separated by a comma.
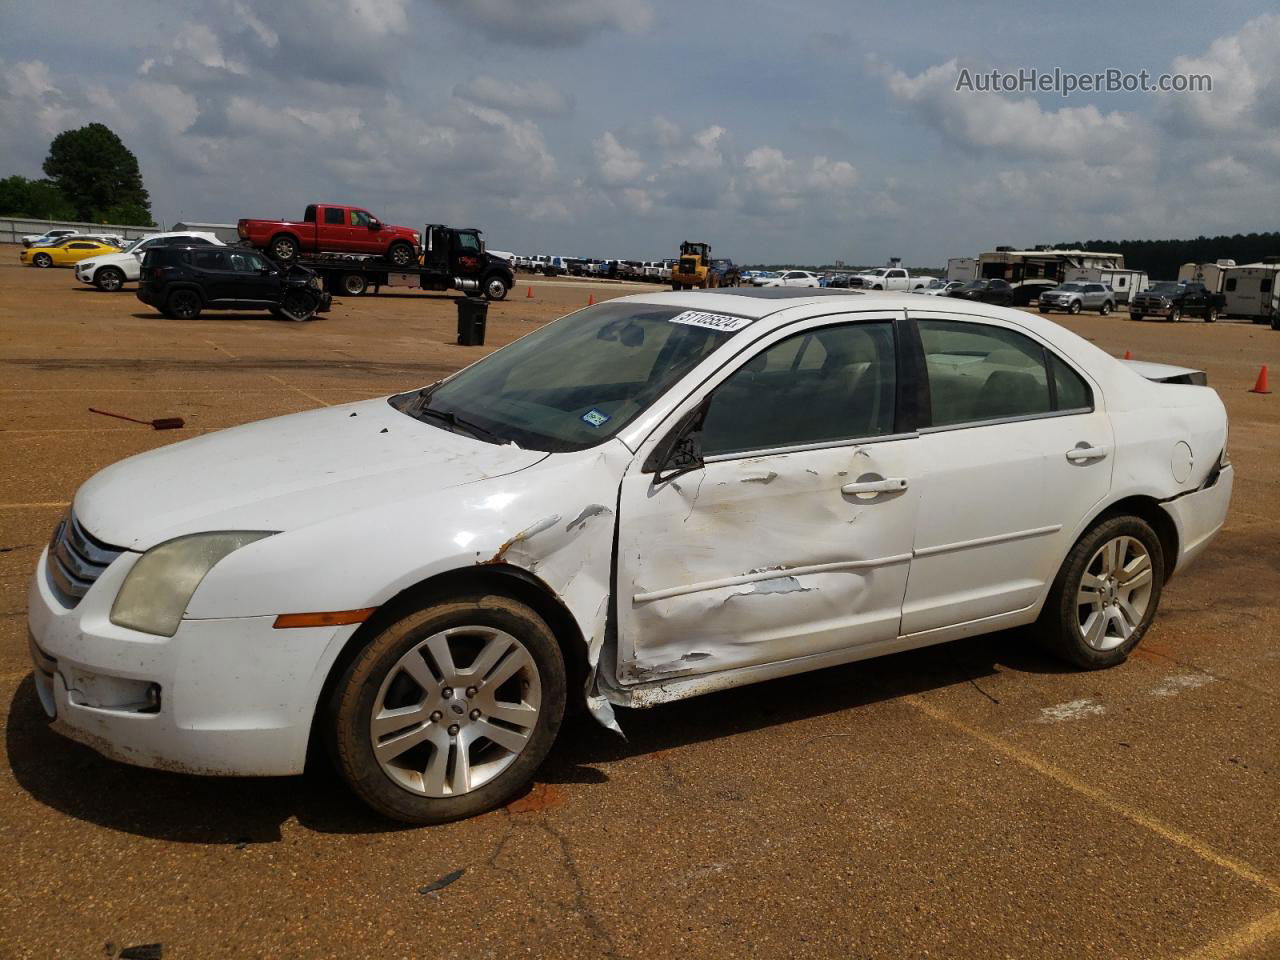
[(98, 174), (40, 199)]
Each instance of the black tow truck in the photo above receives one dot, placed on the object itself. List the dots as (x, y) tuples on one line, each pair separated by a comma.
[(453, 258)]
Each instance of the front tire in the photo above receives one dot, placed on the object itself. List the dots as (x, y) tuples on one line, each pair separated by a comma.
[(495, 288), (1105, 595), (401, 254), (1105, 309), (297, 305), (1211, 315), (42, 260), (449, 711), (1074, 308), (1175, 314), (109, 279)]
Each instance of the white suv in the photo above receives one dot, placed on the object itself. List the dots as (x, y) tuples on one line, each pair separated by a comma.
[(113, 271)]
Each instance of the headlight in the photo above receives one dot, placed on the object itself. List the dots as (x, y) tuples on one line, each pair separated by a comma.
[(157, 590)]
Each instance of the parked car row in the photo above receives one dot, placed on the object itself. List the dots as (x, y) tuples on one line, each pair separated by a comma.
[(61, 234)]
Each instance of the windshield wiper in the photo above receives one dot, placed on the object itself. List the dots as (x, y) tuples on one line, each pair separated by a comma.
[(457, 423)]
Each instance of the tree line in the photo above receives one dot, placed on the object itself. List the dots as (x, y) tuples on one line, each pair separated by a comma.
[(90, 175), (1162, 258)]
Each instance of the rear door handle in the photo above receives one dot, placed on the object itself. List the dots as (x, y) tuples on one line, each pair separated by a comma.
[(1083, 453), (891, 485)]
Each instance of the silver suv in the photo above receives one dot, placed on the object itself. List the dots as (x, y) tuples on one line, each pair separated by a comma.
[(1074, 297)]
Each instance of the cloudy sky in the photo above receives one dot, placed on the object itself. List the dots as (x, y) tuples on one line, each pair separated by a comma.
[(778, 131)]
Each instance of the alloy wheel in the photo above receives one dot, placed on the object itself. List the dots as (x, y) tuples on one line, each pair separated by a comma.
[(455, 711), (1114, 593)]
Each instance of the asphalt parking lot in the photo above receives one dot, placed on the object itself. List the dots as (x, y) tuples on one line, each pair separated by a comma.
[(976, 799)]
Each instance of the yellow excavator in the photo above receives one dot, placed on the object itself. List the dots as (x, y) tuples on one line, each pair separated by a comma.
[(693, 269)]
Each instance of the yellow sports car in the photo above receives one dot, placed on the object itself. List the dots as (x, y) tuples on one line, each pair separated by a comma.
[(66, 253)]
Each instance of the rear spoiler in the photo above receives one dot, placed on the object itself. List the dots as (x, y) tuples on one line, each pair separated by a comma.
[(1167, 373)]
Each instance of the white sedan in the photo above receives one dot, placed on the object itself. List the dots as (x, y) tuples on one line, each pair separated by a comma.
[(787, 480), (112, 271), (794, 278)]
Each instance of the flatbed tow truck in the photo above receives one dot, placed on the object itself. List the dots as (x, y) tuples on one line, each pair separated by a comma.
[(452, 258)]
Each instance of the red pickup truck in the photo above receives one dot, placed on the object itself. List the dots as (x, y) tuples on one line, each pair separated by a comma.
[(328, 227)]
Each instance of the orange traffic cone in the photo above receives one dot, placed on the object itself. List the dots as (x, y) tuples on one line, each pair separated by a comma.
[(591, 299), (529, 295), (1128, 355), (1261, 385)]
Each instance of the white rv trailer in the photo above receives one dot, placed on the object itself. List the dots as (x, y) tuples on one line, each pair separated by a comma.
[(962, 269), (1125, 283), (1031, 272), (1210, 274), (1250, 291)]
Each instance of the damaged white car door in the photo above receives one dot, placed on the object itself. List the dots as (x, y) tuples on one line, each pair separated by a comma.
[(791, 535)]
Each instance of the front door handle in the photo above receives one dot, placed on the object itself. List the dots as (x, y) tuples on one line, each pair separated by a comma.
[(891, 485), (1083, 453)]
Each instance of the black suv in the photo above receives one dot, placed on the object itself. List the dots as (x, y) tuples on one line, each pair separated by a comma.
[(181, 281)]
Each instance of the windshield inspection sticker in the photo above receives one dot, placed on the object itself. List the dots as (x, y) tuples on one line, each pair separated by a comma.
[(712, 321), (595, 417)]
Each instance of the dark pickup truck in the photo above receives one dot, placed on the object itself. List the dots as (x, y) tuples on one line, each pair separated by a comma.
[(1173, 300)]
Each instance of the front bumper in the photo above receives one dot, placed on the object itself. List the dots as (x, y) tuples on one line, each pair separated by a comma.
[(225, 697), (1151, 309)]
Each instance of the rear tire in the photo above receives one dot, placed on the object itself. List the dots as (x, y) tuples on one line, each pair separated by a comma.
[(284, 249), (1105, 595), (109, 279), (354, 284), (412, 674), (183, 305)]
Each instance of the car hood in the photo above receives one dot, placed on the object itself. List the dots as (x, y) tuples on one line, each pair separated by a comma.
[(285, 473), (114, 259)]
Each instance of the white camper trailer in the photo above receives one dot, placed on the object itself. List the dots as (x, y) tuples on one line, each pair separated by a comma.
[(962, 269), (1031, 272), (1251, 292), (1211, 275), (1125, 283)]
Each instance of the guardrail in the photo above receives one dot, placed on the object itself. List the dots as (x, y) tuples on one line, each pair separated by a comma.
[(12, 231)]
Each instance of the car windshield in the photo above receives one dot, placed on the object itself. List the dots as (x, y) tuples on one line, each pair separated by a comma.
[(1166, 287), (975, 285), (135, 244), (1070, 288), (577, 381)]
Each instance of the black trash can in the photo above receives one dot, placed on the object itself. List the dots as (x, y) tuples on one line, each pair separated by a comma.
[(473, 313)]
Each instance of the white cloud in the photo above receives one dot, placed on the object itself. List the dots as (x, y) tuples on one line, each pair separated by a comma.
[(615, 163), (551, 23), (527, 97), (993, 121)]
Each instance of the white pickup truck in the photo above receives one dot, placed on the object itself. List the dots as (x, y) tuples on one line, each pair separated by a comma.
[(887, 278)]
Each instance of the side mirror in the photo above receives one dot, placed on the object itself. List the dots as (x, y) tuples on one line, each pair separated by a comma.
[(375, 224), (680, 452)]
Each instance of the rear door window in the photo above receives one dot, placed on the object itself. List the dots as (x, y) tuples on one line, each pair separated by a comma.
[(979, 372)]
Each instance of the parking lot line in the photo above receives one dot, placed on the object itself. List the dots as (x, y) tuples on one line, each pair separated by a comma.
[(299, 390), (220, 347), (1239, 940), (1062, 777)]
